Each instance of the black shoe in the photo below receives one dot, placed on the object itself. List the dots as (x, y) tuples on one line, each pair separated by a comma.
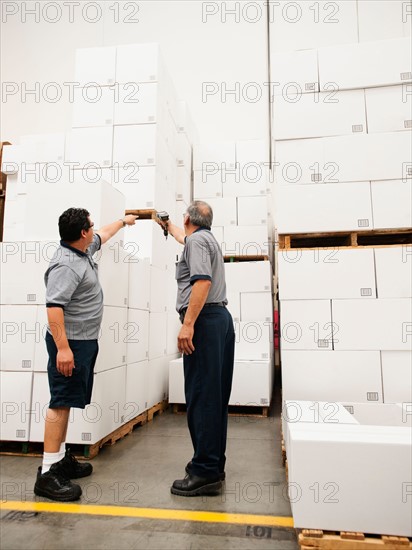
[(70, 468), (55, 487), (193, 486), (222, 475)]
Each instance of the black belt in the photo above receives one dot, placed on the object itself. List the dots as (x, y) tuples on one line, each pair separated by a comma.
[(182, 312)]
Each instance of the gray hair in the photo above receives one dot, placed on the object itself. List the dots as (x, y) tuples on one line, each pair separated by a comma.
[(200, 214)]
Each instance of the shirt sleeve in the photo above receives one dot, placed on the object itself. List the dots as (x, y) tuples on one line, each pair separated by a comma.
[(199, 261), (95, 245), (62, 281)]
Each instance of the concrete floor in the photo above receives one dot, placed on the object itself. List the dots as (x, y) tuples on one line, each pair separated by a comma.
[(137, 472)]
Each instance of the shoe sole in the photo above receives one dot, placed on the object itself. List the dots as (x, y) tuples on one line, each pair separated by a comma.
[(62, 498), (210, 489)]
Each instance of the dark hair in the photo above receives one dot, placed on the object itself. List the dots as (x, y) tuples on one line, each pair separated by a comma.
[(72, 222), (200, 214)]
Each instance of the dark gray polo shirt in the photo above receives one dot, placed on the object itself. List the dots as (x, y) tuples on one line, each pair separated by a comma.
[(201, 259), (72, 283)]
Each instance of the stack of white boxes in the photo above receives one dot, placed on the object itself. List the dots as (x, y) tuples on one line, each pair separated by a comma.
[(130, 136), (233, 178), (341, 128)]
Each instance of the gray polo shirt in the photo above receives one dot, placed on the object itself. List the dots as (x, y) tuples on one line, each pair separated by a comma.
[(201, 259), (72, 283)]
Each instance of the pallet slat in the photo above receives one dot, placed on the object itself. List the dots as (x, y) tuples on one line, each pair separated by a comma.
[(312, 539)]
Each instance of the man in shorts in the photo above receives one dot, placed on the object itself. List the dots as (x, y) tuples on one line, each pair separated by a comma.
[(74, 301)]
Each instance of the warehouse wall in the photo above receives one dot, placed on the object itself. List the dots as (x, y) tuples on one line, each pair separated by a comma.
[(201, 43)]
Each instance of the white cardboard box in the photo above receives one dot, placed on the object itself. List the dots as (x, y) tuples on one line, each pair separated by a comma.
[(142, 186), (338, 376), (139, 284), (96, 65), (158, 379), (141, 144), (136, 389), (173, 328), (113, 337), (252, 151), (256, 306), (366, 64), (248, 276), (300, 25), (137, 335), (252, 383), (113, 269), (16, 404), (183, 184), (248, 180), (325, 274), (139, 63), (90, 145), (176, 381), (381, 324), (319, 114), (19, 334), (300, 161), (139, 103), (315, 208), (158, 289), (18, 260), (294, 70), (389, 108), (394, 271), (253, 210), (392, 204), (223, 153), (145, 240), (306, 325), (41, 357), (383, 19), (93, 106), (157, 335), (397, 376), (254, 341), (224, 211), (43, 148), (334, 460), (208, 183), (234, 304), (250, 240)]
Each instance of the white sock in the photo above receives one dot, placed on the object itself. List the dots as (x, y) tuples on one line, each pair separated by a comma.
[(62, 451), (48, 460)]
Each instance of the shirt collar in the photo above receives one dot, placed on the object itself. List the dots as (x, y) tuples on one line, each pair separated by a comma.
[(76, 250), (201, 229)]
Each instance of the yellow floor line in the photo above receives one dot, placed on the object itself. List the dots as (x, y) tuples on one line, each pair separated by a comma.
[(151, 513)]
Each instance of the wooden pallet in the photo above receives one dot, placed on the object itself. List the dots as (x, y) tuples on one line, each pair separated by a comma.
[(234, 410), (144, 214), (349, 239), (157, 409), (311, 539), (230, 259)]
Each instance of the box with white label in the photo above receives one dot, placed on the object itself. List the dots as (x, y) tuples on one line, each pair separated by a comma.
[(90, 145), (207, 183), (104, 203), (381, 324), (158, 379), (392, 204), (16, 405), (136, 389), (306, 325), (254, 340), (157, 335), (397, 376), (18, 259), (389, 108), (366, 64), (176, 381), (224, 211), (113, 337), (93, 106), (137, 338), (256, 306), (394, 271), (41, 356), (20, 332), (300, 161), (43, 148), (140, 144), (139, 63), (338, 376), (253, 151), (249, 240), (113, 269), (139, 103), (252, 383), (96, 65), (139, 283), (223, 153), (248, 276), (299, 26), (315, 208), (253, 211), (383, 20), (319, 274), (294, 71), (332, 461), (319, 114)]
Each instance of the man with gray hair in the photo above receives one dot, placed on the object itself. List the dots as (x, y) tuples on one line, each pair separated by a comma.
[(207, 341)]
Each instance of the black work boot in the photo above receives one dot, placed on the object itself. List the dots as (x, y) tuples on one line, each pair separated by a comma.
[(188, 468), (194, 486), (54, 486), (71, 468)]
